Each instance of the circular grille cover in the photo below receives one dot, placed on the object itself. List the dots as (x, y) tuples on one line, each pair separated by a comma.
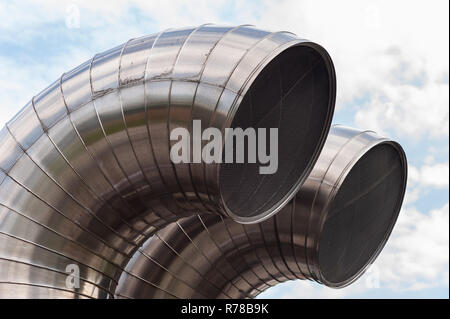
[(291, 94), (362, 214)]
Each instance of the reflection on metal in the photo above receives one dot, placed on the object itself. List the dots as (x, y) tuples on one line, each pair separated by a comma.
[(86, 177), (330, 232)]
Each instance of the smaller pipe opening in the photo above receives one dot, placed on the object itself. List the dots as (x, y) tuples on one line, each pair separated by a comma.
[(362, 215)]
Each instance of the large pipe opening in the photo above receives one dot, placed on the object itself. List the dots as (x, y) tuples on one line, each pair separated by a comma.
[(294, 93)]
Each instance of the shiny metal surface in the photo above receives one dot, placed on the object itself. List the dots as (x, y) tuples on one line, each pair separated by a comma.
[(207, 256), (85, 172)]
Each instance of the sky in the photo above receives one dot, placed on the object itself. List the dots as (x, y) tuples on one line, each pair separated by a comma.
[(392, 65)]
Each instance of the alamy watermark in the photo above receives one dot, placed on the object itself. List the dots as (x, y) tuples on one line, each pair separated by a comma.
[(72, 17), (73, 276), (260, 148)]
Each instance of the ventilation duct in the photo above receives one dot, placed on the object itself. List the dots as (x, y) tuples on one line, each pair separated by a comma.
[(85, 172), (330, 232)]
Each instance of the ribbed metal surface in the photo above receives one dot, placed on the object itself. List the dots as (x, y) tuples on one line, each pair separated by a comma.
[(85, 172), (330, 232)]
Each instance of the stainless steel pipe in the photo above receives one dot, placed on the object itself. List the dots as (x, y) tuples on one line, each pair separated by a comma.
[(85, 172), (330, 232)]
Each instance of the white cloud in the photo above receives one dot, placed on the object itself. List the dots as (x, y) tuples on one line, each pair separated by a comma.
[(397, 67), (429, 175), (407, 110), (301, 289), (416, 256), (411, 195)]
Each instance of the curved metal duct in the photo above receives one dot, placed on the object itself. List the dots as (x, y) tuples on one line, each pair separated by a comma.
[(330, 232), (85, 171)]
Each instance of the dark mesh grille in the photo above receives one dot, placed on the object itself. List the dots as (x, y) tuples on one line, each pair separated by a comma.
[(292, 94), (362, 214)]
